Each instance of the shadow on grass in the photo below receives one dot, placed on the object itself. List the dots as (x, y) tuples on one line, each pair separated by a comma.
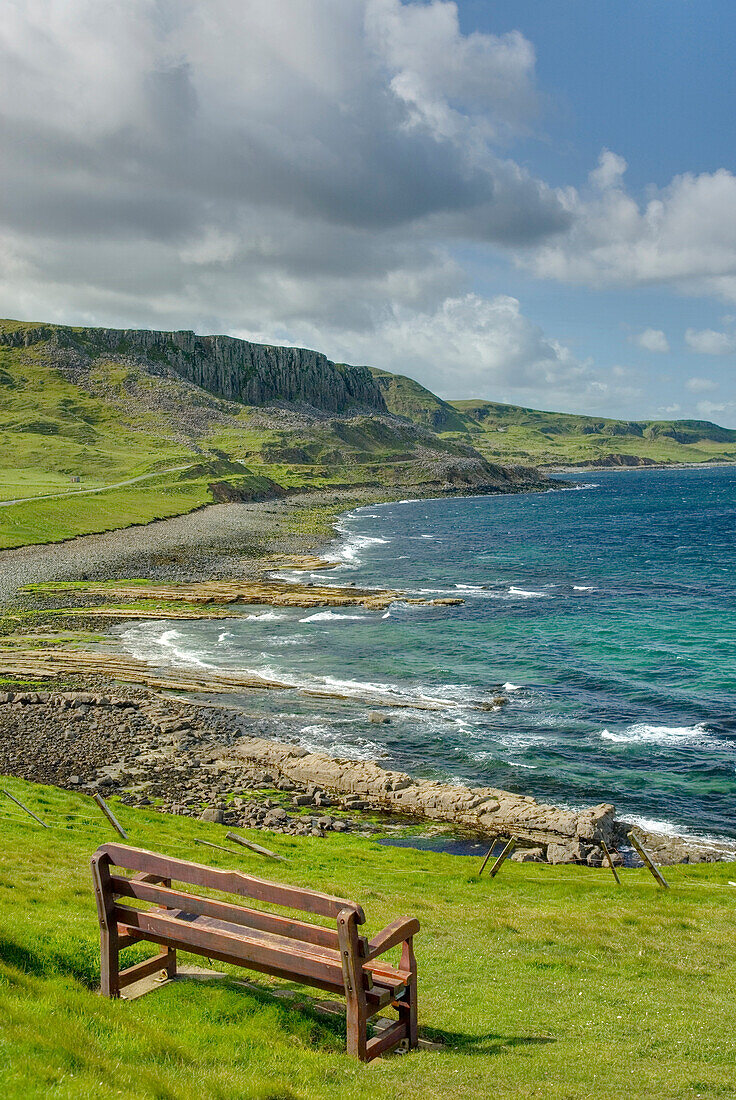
[(295, 1008), (80, 962), (489, 1043)]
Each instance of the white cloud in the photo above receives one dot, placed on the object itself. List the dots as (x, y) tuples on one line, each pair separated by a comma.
[(683, 234), (304, 171), (667, 410), (297, 170), (486, 347), (709, 342), (701, 385), (450, 81), (652, 339), (609, 172), (712, 408)]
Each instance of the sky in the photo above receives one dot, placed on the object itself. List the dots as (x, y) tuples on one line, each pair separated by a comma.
[(530, 201)]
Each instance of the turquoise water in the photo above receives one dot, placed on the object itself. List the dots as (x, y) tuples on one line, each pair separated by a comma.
[(604, 614)]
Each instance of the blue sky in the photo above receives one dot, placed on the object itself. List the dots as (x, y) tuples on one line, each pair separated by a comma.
[(532, 201), (655, 81)]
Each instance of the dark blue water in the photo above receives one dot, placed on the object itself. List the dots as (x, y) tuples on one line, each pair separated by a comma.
[(605, 616)]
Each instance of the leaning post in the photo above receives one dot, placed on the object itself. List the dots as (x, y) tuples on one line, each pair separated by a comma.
[(650, 863)]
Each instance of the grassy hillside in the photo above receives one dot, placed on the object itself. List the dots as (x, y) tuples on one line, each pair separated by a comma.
[(547, 981), (115, 437), (102, 429), (511, 433), (515, 434)]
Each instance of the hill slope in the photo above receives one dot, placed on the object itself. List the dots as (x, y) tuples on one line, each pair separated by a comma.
[(545, 981), (512, 433), (515, 433), (102, 428), (519, 434)]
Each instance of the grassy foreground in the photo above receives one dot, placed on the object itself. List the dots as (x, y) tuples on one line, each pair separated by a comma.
[(546, 982)]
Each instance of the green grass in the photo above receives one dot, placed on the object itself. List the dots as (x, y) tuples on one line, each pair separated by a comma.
[(545, 982), (511, 433), (54, 520), (515, 434), (123, 422)]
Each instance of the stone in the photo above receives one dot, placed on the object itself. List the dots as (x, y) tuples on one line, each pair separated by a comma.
[(528, 855), (569, 852), (213, 813), (378, 719)]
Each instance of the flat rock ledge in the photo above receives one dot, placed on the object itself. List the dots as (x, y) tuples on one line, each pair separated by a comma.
[(565, 836)]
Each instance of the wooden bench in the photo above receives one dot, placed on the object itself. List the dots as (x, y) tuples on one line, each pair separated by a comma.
[(337, 958)]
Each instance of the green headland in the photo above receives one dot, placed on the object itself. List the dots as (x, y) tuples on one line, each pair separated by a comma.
[(135, 425)]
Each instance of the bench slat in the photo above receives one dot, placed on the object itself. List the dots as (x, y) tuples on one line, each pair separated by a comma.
[(142, 970), (217, 955), (242, 948), (236, 914), (230, 882), (386, 1040)]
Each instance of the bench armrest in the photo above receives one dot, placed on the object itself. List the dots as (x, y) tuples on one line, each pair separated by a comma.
[(400, 930)]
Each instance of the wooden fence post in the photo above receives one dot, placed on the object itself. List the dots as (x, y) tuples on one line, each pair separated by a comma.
[(501, 859), (110, 815), (253, 847), (488, 856), (614, 872), (649, 863), (19, 803)]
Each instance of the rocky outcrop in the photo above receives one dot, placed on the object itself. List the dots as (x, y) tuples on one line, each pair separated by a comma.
[(569, 836), (616, 460), (237, 370)]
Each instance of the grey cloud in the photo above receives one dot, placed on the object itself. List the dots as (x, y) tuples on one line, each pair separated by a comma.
[(287, 169)]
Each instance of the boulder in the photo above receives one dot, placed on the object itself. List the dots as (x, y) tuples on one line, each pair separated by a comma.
[(213, 813), (528, 855), (569, 852)]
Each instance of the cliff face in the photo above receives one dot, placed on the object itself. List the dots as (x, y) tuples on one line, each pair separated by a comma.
[(254, 374)]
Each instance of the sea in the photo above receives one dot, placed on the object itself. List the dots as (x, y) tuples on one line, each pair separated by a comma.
[(603, 613)]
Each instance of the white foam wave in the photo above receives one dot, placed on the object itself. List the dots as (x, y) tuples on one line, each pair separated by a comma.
[(147, 646), (511, 687), (583, 588), (525, 593), (266, 617), (643, 733), (329, 616), (668, 828), (575, 488), (471, 587), (348, 552), (319, 738), (224, 636)]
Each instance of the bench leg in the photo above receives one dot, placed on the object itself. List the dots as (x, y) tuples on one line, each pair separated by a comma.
[(170, 965), (352, 971), (109, 964), (408, 1004), (357, 1028)]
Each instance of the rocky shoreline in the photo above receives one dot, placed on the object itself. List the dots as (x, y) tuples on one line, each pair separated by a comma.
[(104, 725), (213, 763)]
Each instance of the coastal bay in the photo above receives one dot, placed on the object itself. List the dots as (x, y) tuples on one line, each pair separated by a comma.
[(332, 713)]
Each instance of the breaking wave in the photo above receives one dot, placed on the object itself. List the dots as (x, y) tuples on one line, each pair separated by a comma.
[(643, 733)]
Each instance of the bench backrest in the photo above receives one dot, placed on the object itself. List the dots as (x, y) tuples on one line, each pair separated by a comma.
[(152, 870)]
